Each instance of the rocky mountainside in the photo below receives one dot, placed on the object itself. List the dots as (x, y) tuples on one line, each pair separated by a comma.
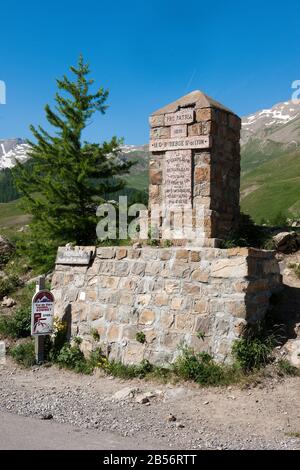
[(279, 124)]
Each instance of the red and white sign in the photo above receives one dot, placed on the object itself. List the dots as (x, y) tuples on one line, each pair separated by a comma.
[(42, 313)]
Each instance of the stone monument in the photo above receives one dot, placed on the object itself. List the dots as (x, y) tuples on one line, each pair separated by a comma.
[(197, 294), (195, 163)]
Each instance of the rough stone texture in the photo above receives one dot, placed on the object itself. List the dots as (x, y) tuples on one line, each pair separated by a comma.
[(170, 294)]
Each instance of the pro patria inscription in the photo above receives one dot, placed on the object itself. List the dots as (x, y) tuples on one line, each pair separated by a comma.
[(184, 116), (178, 178)]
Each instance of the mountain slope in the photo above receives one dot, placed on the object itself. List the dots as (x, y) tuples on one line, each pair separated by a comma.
[(273, 188)]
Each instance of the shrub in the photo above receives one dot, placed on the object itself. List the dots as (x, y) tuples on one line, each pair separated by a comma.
[(71, 357), (4, 259), (24, 354), (140, 337), (95, 334), (199, 367), (16, 325), (279, 219), (9, 284), (253, 352)]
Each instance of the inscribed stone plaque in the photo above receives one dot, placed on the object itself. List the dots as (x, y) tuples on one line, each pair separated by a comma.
[(195, 142), (66, 255), (179, 131), (178, 178), (184, 116)]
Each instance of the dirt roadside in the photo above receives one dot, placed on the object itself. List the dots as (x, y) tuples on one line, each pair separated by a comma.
[(266, 416)]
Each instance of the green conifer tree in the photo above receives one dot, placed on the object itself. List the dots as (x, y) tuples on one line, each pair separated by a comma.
[(68, 177)]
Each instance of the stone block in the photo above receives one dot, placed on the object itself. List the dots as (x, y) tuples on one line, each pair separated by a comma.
[(171, 340), (238, 251), (147, 317), (177, 302), (182, 255), (195, 129), (236, 308), (205, 114), (230, 268), (160, 133), (91, 294), (134, 353), (172, 286), (201, 305), (165, 255), (180, 269), (129, 332), (154, 193), (166, 320), (202, 324), (157, 121), (153, 267), (95, 312), (110, 313), (185, 322), (161, 299), (155, 177), (150, 335), (113, 333), (138, 268), (121, 253), (105, 252), (191, 288), (121, 268), (199, 275), (195, 256), (143, 299), (126, 298)]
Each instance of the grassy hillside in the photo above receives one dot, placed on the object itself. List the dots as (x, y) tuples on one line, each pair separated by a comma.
[(12, 217), (272, 187)]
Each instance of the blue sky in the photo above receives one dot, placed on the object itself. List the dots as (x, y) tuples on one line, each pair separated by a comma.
[(148, 53)]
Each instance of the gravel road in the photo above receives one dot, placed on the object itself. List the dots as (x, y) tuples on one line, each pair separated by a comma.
[(146, 414)]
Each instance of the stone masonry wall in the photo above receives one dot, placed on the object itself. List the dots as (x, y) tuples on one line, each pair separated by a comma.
[(170, 294)]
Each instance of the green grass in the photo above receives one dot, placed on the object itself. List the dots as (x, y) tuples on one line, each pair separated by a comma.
[(276, 188), (138, 181), (293, 434), (23, 353), (12, 217)]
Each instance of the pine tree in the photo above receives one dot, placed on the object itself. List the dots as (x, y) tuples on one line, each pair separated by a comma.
[(68, 177)]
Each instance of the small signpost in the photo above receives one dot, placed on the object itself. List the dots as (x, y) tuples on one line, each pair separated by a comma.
[(41, 317)]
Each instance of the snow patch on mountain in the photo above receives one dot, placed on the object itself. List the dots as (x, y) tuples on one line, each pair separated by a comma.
[(281, 112), (12, 150)]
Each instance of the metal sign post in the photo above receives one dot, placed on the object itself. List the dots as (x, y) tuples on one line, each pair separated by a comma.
[(41, 318)]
